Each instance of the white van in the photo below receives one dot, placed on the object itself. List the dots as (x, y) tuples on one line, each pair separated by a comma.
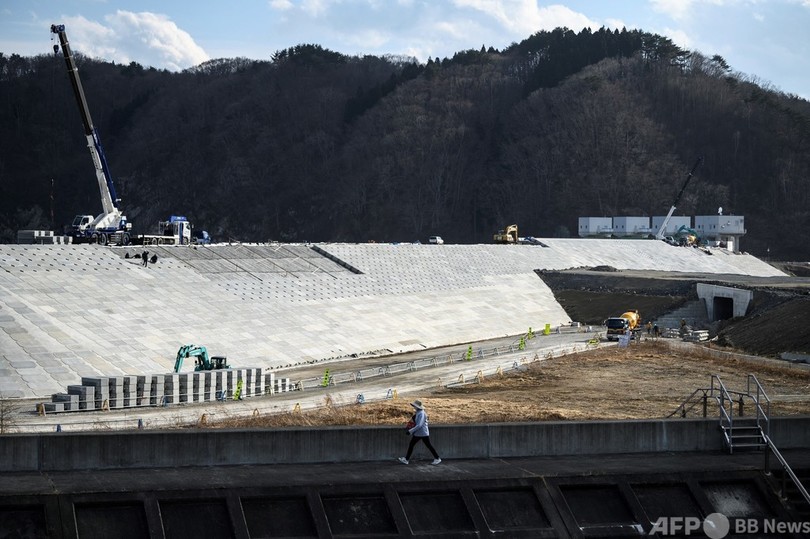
[(436, 239)]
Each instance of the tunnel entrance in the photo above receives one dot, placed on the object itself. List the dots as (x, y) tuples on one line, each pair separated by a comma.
[(723, 308)]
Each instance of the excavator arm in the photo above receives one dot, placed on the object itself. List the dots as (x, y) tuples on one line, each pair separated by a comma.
[(203, 361), (192, 350)]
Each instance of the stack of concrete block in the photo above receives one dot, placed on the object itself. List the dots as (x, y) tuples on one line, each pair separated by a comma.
[(219, 384), (143, 391), (130, 392), (157, 391), (101, 385), (86, 394), (116, 391), (34, 236), (67, 401), (171, 388), (277, 385), (259, 382), (53, 406), (102, 392)]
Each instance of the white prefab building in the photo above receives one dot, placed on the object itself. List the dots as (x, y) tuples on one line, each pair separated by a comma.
[(722, 230), (675, 222), (631, 226), (595, 226)]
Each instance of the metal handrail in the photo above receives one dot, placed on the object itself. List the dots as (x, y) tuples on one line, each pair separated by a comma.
[(786, 467), (690, 400), (727, 415), (763, 415)]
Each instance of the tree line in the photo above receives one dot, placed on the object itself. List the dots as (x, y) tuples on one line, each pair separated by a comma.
[(314, 145)]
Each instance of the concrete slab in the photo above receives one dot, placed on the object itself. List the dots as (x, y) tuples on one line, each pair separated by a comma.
[(86, 310)]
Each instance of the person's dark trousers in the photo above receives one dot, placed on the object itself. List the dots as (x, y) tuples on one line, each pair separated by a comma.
[(417, 439)]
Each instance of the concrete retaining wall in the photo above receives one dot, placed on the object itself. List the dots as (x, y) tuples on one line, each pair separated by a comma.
[(160, 449)]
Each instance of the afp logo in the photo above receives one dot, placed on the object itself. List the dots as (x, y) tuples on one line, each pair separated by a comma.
[(715, 526)]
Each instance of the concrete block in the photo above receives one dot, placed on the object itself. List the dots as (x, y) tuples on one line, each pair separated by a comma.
[(247, 385), (87, 396), (54, 406), (130, 390), (209, 386), (143, 390), (183, 386), (197, 386), (259, 378), (270, 382), (70, 402), (156, 392), (116, 385), (281, 385), (230, 382), (171, 388), (102, 388), (220, 383)]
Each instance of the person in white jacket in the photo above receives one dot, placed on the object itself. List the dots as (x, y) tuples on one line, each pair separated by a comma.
[(419, 432)]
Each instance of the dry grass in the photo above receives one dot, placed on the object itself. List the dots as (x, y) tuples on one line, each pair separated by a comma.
[(643, 381)]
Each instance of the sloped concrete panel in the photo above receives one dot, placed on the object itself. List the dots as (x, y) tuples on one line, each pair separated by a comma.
[(74, 311)]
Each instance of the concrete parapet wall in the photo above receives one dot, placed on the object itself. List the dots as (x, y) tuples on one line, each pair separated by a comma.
[(160, 449)]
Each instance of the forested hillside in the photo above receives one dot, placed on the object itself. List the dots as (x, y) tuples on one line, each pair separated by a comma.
[(318, 146)]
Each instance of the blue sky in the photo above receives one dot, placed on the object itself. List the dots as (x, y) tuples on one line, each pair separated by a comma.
[(763, 39)]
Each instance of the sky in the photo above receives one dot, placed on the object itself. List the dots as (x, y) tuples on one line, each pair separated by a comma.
[(765, 40)]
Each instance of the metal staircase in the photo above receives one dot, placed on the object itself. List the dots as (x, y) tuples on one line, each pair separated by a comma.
[(748, 432), (740, 431)]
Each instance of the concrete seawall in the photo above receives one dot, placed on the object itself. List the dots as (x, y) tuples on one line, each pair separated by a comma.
[(163, 449)]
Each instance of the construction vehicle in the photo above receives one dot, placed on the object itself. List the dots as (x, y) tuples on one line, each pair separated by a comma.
[(110, 226), (174, 231), (661, 231), (507, 235), (687, 237), (202, 362), (628, 323)]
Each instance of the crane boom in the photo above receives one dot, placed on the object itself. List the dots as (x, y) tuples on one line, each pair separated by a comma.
[(660, 234), (110, 219)]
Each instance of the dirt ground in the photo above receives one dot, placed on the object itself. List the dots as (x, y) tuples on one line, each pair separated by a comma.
[(643, 381)]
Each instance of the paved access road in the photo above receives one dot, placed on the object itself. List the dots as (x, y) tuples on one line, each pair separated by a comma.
[(368, 379)]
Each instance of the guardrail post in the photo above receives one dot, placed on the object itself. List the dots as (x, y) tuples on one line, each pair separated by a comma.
[(705, 406)]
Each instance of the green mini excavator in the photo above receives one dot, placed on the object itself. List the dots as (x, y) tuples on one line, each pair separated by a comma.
[(202, 361)]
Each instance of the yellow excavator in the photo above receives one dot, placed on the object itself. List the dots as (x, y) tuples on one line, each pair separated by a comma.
[(508, 235), (202, 361)]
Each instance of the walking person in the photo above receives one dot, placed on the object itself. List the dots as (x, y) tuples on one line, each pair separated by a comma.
[(145, 259), (419, 432)]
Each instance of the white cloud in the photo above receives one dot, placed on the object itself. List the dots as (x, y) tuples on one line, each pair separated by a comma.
[(525, 17), (314, 8), (151, 38), (617, 24), (364, 39), (678, 37), (281, 5), (675, 9)]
